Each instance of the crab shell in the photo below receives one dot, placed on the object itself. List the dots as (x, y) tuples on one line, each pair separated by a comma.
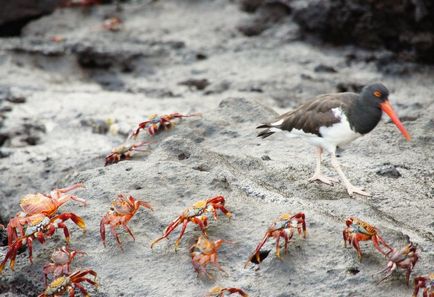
[(60, 257), (58, 286), (37, 224)]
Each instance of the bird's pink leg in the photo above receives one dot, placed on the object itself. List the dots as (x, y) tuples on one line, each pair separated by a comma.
[(350, 188), (318, 176)]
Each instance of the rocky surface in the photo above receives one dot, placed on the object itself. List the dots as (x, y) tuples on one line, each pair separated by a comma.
[(405, 27), (85, 92)]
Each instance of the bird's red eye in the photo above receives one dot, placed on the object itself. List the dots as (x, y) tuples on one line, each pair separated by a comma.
[(377, 94)]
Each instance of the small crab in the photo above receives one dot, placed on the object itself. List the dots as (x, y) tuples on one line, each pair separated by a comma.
[(80, 3), (220, 292), (406, 258), (120, 214), (282, 227), (68, 283), (61, 260), (155, 123), (113, 24), (425, 282), (203, 252), (46, 204), (39, 227), (358, 230), (123, 152), (196, 214)]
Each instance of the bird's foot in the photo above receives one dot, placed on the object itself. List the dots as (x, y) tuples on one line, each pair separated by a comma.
[(356, 190), (324, 179)]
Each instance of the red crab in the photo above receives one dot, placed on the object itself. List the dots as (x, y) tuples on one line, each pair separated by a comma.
[(45, 204), (406, 258), (123, 152), (282, 227), (425, 282), (120, 214), (196, 214), (39, 227), (112, 24), (220, 292), (203, 252), (62, 258), (358, 230), (155, 123), (78, 3), (68, 283)]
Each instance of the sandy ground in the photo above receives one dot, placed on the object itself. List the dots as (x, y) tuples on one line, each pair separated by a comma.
[(165, 43)]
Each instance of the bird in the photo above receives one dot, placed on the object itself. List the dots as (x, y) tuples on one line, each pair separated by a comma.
[(332, 120)]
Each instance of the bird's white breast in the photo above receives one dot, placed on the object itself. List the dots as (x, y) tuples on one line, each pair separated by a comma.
[(341, 132)]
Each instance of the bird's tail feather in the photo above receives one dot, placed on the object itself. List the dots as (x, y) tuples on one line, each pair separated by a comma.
[(270, 129)]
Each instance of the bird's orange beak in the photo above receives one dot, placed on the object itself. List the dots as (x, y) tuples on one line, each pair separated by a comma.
[(387, 108)]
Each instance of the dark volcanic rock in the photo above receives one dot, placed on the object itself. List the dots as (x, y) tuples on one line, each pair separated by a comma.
[(402, 26), (267, 13), (199, 84), (14, 15), (389, 171)]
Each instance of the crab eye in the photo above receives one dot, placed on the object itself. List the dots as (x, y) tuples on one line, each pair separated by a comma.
[(377, 94)]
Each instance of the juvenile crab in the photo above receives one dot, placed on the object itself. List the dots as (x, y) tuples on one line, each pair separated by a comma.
[(123, 152), (45, 204), (406, 258), (61, 260), (358, 230), (425, 282), (155, 123), (220, 292), (196, 214), (203, 252), (120, 214), (282, 227), (68, 283), (39, 227)]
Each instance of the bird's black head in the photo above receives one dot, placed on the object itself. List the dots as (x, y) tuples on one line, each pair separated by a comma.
[(375, 93), (375, 96)]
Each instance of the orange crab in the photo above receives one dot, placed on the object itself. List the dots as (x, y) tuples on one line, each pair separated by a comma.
[(358, 230), (120, 214), (123, 152), (45, 204), (220, 292), (425, 282), (155, 123), (406, 258), (68, 283), (196, 214), (39, 227), (62, 258), (282, 227), (203, 252)]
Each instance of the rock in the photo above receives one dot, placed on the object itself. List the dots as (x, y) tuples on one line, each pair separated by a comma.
[(324, 68), (405, 27), (266, 14), (14, 15), (16, 99), (389, 170), (198, 84)]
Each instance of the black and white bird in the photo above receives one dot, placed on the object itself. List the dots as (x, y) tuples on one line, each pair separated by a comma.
[(332, 120)]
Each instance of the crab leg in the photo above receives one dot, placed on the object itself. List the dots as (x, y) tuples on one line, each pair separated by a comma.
[(129, 231), (389, 270), (377, 240), (115, 234), (172, 226), (184, 226), (102, 229), (82, 289), (258, 248), (71, 292), (278, 246)]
